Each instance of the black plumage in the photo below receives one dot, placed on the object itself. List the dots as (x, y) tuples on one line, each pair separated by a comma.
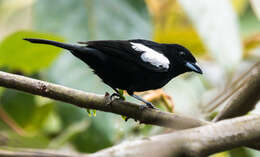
[(132, 65)]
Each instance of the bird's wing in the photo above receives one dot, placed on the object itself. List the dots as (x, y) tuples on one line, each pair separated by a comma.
[(144, 53)]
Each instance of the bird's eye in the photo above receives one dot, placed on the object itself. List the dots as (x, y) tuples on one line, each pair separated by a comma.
[(182, 54)]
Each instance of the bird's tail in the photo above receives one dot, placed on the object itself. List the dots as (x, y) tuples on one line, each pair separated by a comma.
[(71, 47)]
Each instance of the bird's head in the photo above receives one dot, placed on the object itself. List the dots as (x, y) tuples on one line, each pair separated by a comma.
[(181, 59)]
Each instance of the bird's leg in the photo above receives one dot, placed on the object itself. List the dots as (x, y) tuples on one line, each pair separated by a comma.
[(148, 104), (115, 96), (107, 99), (118, 94)]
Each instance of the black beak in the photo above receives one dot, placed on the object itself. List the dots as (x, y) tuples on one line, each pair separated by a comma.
[(193, 67)]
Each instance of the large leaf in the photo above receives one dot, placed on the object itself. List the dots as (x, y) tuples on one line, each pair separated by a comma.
[(253, 152), (96, 137), (249, 24), (240, 152), (28, 113), (20, 106), (40, 115), (217, 24), (18, 54)]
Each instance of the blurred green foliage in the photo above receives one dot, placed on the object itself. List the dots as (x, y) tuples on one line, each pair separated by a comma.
[(28, 58), (249, 24), (20, 112), (51, 124)]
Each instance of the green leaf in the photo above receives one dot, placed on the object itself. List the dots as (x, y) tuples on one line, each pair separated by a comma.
[(121, 92), (92, 139), (1, 90), (52, 124), (20, 106), (40, 115), (89, 112), (240, 152), (252, 152), (23, 108), (222, 154), (70, 132), (18, 54), (249, 24), (94, 113), (70, 114), (33, 141), (124, 117)]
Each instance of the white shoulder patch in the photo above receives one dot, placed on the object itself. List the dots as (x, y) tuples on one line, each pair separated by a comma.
[(149, 55)]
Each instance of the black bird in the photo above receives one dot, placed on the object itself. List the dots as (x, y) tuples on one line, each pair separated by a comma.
[(132, 65)]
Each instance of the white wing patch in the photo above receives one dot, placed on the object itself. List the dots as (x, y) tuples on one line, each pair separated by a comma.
[(149, 55)]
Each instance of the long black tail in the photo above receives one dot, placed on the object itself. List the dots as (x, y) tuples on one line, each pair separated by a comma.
[(71, 47)]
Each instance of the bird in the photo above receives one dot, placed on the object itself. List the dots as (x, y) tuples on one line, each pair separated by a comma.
[(134, 65)]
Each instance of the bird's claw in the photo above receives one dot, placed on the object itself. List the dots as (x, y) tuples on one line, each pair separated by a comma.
[(113, 97), (148, 105), (116, 96), (107, 99)]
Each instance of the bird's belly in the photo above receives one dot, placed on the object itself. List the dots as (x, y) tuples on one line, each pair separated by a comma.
[(116, 74), (138, 80), (151, 81), (128, 76)]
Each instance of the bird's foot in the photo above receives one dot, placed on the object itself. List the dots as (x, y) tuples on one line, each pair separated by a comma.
[(125, 118), (116, 96), (110, 98), (148, 105)]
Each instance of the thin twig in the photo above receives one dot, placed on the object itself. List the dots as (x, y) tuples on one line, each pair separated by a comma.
[(226, 96), (219, 98), (245, 99), (11, 123)]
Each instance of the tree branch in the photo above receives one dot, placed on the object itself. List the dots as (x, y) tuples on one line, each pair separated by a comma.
[(98, 102), (196, 142), (200, 141), (18, 152), (230, 90), (245, 99), (209, 139)]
